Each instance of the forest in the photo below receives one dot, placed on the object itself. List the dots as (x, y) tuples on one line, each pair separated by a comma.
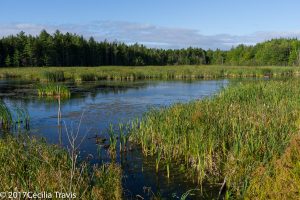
[(67, 49)]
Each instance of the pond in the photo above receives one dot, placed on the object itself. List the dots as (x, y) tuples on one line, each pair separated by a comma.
[(96, 105)]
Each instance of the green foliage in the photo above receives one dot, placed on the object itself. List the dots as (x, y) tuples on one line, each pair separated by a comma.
[(87, 77), (7, 61), (28, 164), (68, 49), (145, 72), (53, 90), (228, 137), (5, 116), (54, 76)]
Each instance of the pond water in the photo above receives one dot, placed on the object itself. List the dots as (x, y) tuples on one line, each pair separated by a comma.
[(99, 104)]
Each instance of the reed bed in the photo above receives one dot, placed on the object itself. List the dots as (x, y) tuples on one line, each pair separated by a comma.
[(228, 138), (54, 74), (6, 118), (53, 90), (29, 164)]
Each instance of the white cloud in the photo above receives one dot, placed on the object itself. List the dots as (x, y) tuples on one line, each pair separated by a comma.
[(150, 35)]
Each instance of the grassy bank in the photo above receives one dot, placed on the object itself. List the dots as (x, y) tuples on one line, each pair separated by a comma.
[(28, 164), (238, 137), (145, 72)]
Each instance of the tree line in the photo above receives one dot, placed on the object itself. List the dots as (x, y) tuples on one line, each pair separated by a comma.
[(68, 49)]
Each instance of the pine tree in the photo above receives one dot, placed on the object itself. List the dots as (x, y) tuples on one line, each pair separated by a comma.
[(7, 61), (16, 58)]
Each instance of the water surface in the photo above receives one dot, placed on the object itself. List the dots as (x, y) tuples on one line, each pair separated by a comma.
[(96, 105)]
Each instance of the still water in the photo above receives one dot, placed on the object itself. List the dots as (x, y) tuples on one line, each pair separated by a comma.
[(96, 105)]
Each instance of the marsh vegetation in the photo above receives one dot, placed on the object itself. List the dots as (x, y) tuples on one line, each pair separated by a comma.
[(240, 140), (241, 137), (126, 73)]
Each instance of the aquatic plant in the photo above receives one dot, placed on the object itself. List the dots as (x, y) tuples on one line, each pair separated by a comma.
[(53, 90), (87, 77), (35, 164), (112, 139), (5, 116), (54, 76), (226, 138)]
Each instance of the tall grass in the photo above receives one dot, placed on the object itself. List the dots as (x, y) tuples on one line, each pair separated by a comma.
[(5, 116), (228, 138), (29, 164), (53, 90), (54, 74)]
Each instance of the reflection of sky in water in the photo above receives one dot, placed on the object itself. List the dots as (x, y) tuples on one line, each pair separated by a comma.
[(104, 105)]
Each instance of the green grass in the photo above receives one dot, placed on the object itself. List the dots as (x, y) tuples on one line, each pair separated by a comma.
[(53, 90), (29, 164), (6, 118), (145, 72), (230, 137), (54, 76)]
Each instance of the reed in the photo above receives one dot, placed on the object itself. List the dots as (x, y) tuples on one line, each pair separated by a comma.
[(54, 76), (87, 77), (53, 90), (112, 140), (123, 137), (34, 164), (226, 138), (5, 116)]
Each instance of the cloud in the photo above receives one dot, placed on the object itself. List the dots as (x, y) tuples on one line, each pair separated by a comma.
[(147, 34)]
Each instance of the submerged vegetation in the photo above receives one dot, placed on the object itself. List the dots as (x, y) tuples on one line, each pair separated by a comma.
[(54, 90), (241, 137)]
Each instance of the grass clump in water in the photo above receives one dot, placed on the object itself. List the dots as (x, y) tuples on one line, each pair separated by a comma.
[(53, 90), (227, 138), (29, 164), (5, 116)]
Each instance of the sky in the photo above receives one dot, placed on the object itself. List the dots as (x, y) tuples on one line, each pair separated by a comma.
[(208, 24)]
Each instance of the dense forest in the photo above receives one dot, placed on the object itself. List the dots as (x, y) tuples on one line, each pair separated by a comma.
[(68, 49)]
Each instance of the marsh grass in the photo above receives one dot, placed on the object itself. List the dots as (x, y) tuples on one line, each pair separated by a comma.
[(87, 77), (15, 118), (5, 116), (29, 164), (54, 74), (226, 139), (53, 90)]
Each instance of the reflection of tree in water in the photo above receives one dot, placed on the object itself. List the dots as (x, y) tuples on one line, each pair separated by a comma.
[(106, 87)]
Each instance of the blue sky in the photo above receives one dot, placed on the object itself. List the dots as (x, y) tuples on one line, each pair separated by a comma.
[(157, 23)]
